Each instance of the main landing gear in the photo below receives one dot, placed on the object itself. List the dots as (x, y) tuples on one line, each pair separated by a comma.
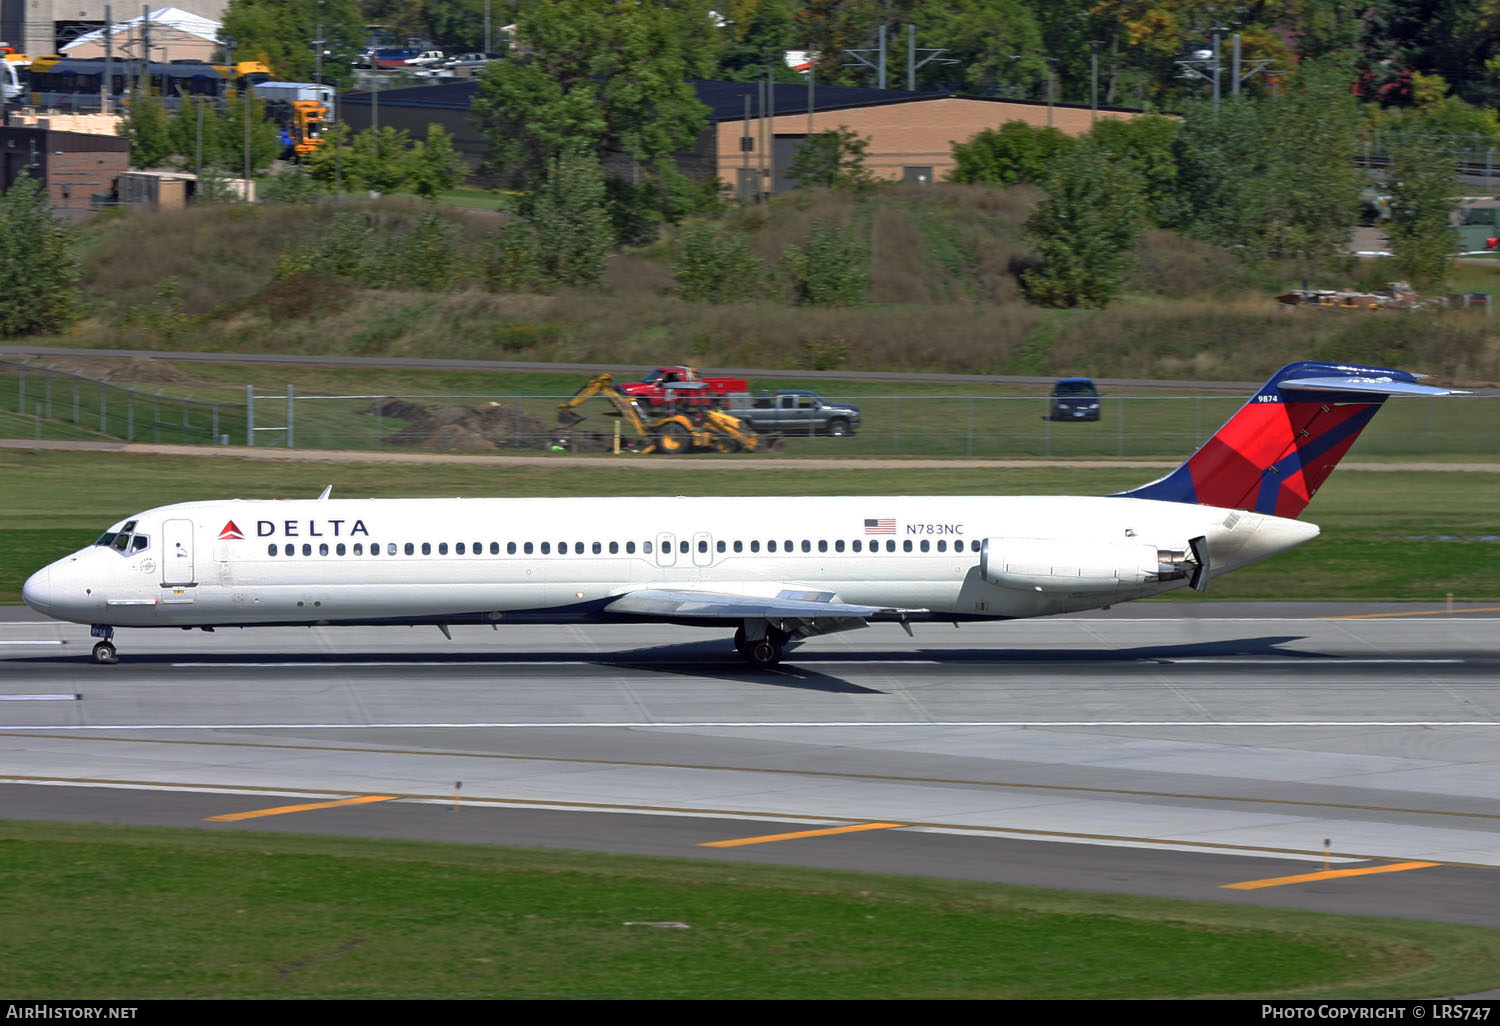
[(763, 652), (104, 651)]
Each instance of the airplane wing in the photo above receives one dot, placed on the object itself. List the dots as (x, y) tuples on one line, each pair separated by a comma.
[(799, 611)]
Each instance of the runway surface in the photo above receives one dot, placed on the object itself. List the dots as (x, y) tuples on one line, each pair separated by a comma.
[(1339, 758)]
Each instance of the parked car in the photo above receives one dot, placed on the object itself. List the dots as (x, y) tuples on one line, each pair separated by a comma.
[(1074, 399), (797, 412), (427, 59), (392, 56), (470, 61)]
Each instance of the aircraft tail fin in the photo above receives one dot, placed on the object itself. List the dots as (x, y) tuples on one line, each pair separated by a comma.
[(1275, 453)]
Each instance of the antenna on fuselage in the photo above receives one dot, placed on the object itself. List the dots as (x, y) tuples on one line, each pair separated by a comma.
[(326, 492)]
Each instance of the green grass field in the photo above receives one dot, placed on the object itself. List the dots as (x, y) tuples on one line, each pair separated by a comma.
[(1399, 536), (334, 411), (140, 913)]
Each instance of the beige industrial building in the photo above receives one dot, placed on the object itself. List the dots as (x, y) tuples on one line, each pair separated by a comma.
[(751, 141), (48, 26)]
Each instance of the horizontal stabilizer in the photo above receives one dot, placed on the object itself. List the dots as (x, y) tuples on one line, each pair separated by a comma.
[(1367, 386)]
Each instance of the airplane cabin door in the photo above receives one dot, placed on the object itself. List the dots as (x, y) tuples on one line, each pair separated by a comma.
[(177, 553), (703, 549)]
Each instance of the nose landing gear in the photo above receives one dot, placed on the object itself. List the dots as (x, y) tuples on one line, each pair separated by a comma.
[(104, 651)]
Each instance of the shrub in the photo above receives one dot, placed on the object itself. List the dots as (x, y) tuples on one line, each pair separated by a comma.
[(38, 271), (831, 268), (715, 266)]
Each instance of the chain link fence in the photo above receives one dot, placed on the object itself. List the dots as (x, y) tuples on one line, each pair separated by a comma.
[(50, 403)]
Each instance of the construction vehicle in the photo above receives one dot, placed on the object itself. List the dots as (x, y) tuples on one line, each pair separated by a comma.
[(669, 432)]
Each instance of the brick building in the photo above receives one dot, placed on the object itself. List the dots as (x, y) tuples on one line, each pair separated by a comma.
[(79, 168)]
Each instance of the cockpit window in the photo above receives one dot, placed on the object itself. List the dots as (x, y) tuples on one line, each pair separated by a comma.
[(125, 539)]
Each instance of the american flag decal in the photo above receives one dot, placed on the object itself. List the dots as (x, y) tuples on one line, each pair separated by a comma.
[(885, 525)]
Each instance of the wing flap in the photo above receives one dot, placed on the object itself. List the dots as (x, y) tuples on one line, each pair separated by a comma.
[(788, 604)]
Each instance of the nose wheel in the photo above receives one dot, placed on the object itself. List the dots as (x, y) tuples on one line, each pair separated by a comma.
[(104, 652)]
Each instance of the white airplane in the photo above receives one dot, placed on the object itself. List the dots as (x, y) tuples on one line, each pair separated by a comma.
[(775, 569)]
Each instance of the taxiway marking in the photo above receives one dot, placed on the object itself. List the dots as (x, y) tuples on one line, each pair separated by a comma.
[(281, 810), (769, 838), (1327, 874), (1418, 612)]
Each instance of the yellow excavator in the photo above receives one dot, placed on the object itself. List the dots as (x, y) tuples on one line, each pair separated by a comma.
[(685, 429)]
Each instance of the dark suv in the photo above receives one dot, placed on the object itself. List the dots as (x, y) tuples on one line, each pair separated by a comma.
[(1074, 399)]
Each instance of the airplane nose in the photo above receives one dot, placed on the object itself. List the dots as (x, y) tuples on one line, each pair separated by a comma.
[(37, 591)]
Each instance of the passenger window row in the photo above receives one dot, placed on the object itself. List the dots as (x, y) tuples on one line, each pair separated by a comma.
[(858, 545)]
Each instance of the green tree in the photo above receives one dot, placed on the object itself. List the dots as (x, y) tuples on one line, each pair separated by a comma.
[(1084, 229), (612, 78), (1223, 164), (145, 125), (38, 269), (757, 33), (835, 160), (571, 220), (1424, 189), (219, 129), (514, 261), (1313, 183), (1145, 142), (1015, 152), (996, 44), (433, 165), (713, 265), (830, 269), (280, 33), (378, 159)]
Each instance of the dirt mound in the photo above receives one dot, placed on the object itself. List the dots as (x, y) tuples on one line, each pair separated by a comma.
[(491, 425), (136, 370), (146, 370)]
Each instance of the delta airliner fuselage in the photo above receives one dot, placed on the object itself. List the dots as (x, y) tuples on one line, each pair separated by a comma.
[(773, 569), (451, 561)]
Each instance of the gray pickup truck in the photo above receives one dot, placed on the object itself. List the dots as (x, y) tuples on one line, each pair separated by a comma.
[(796, 412)]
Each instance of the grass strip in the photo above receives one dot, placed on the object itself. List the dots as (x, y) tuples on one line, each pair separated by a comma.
[(111, 911)]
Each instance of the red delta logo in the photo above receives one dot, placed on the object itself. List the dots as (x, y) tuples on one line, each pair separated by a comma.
[(230, 532)]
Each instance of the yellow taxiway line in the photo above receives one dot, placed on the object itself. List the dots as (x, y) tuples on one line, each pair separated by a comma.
[(1419, 612), (281, 810), (1331, 874), (769, 838)]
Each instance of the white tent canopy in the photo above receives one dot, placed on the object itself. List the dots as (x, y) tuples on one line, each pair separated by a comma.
[(173, 18)]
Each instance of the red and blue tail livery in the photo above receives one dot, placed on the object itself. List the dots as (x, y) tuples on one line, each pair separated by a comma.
[(1276, 452)]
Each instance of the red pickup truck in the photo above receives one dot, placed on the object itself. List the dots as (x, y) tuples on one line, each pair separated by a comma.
[(673, 386)]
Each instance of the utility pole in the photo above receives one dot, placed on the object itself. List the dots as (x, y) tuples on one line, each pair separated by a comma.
[(1216, 70), (771, 129), (1094, 80), (106, 91)]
